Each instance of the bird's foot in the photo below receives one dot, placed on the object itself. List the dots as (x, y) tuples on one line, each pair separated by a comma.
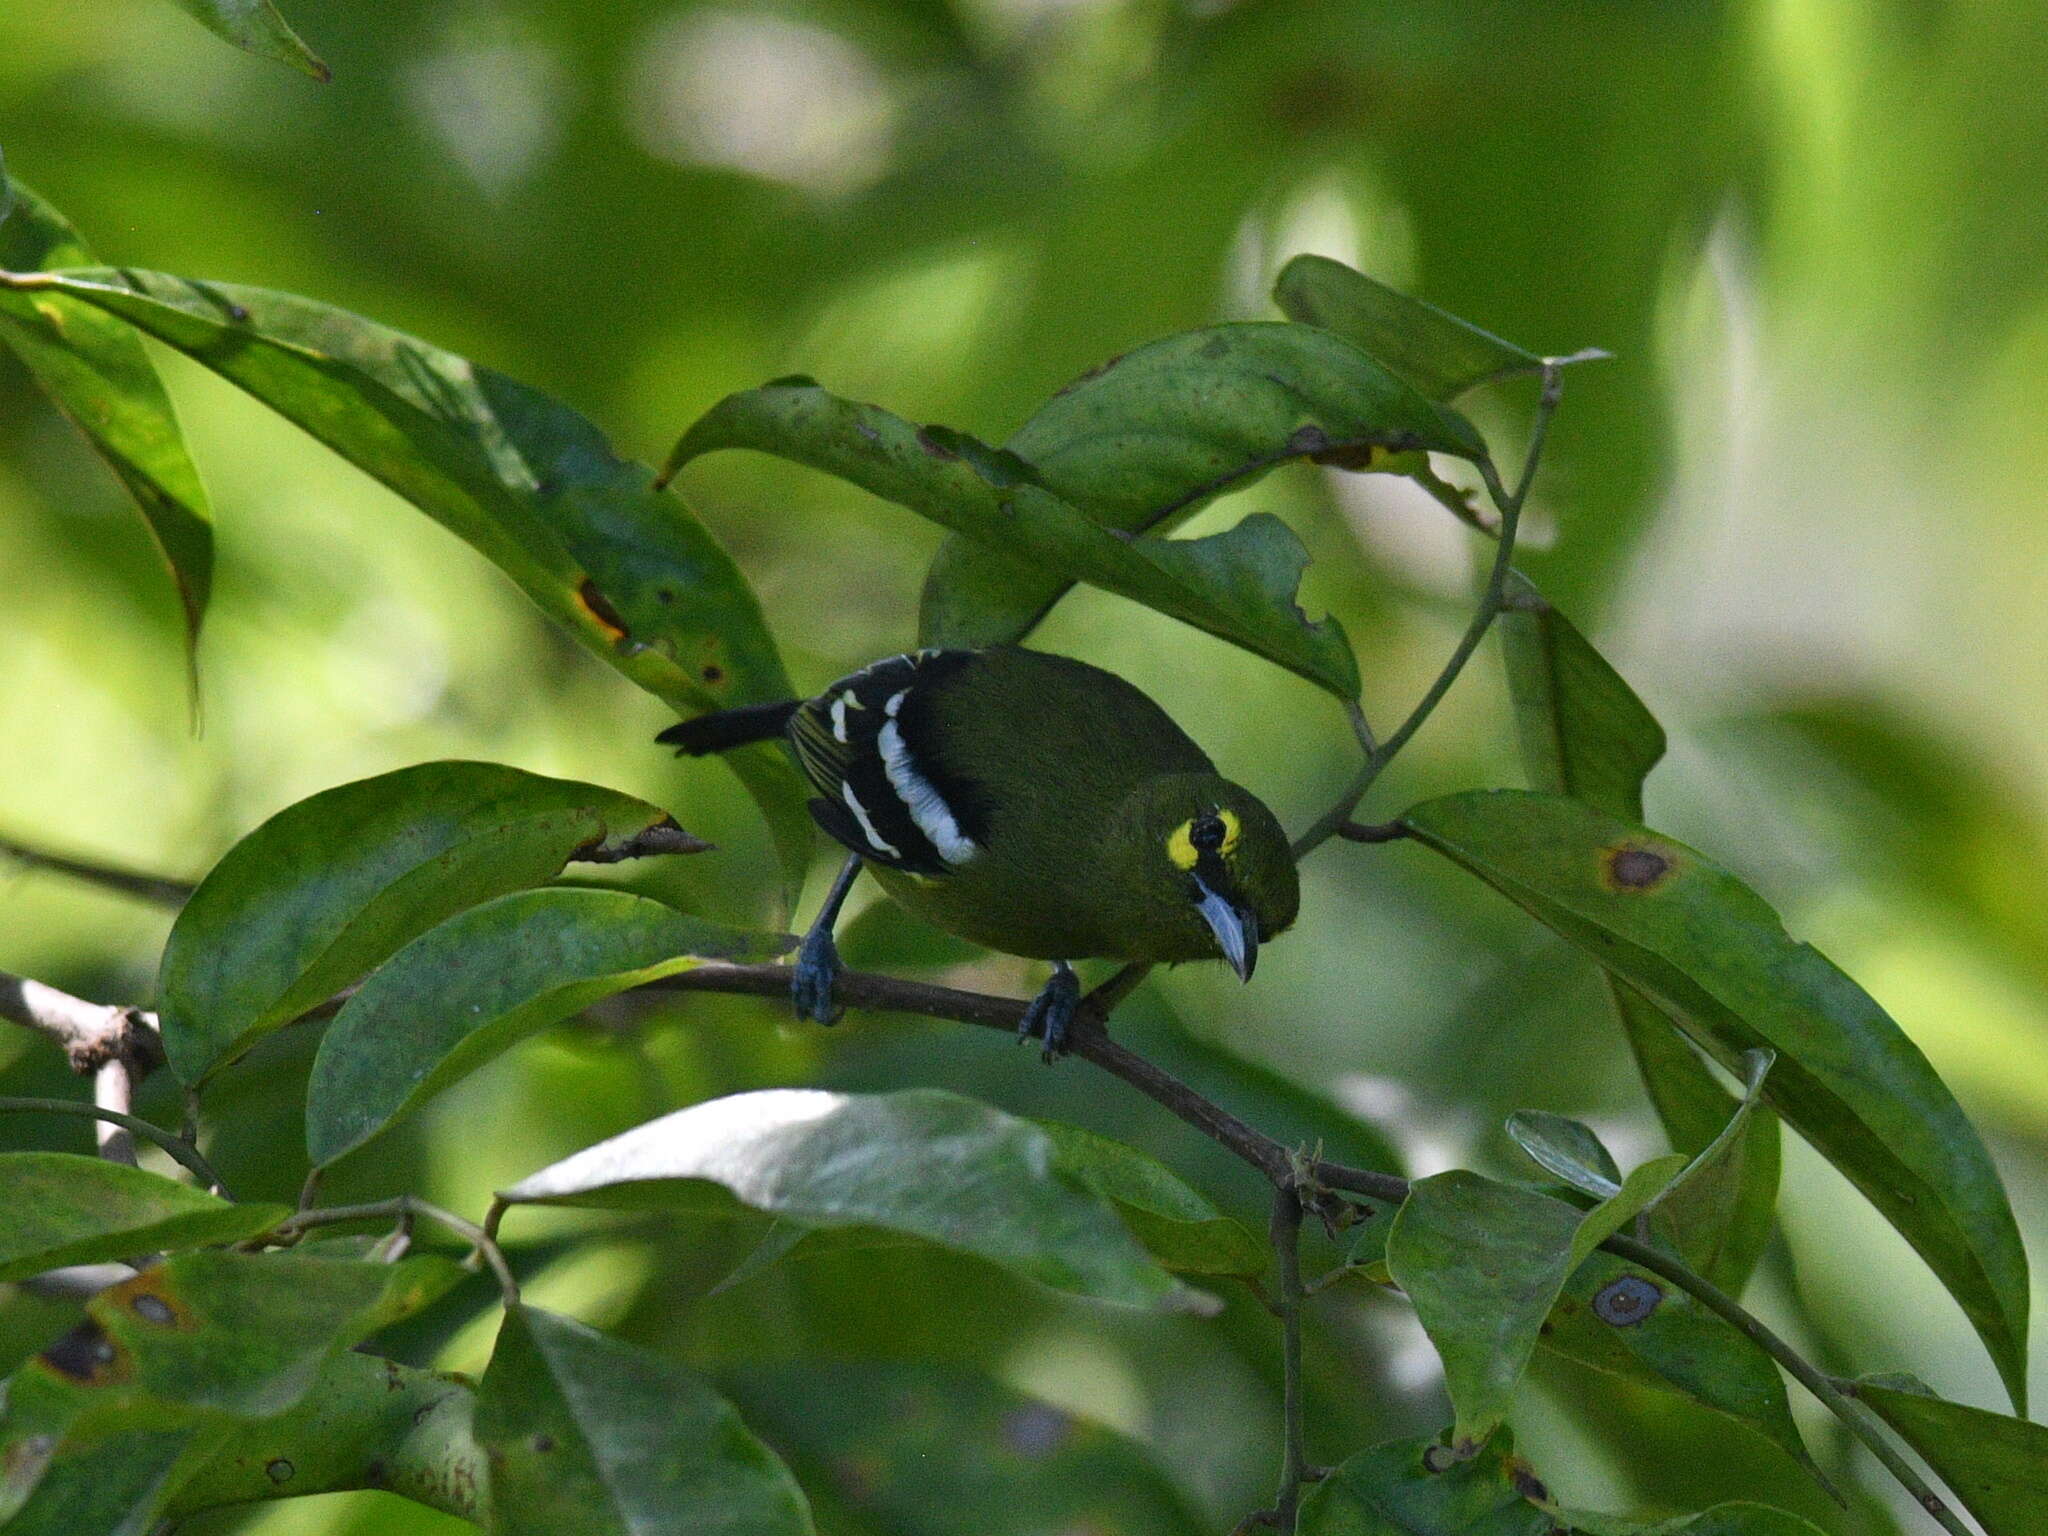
[(1052, 1012), (812, 977)]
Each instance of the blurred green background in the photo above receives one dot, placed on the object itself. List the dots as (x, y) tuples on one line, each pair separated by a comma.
[(1800, 511)]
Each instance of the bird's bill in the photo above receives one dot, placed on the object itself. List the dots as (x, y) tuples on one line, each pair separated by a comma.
[(1235, 925)]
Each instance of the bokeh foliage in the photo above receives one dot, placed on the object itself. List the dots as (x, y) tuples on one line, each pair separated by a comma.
[(1796, 511)]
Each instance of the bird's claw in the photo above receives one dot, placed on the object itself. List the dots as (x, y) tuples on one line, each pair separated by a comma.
[(1051, 1013), (812, 977)]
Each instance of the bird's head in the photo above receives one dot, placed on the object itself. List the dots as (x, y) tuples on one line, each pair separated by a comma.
[(1210, 868)]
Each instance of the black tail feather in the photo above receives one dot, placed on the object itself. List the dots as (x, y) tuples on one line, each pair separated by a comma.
[(729, 728)]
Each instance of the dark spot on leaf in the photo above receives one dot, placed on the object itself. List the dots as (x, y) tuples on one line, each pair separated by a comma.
[(279, 1471), (714, 674), (666, 594), (542, 1444), (1308, 438), (376, 1474), (600, 608), (1632, 867), (929, 442), (1523, 1479), (1036, 1430), (152, 1309), (1624, 1302), (87, 1356), (237, 313), (1439, 1458)]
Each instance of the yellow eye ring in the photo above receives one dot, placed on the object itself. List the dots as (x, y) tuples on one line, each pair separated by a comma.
[(1180, 845)]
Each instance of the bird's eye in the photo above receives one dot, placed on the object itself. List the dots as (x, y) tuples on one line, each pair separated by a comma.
[(1207, 832)]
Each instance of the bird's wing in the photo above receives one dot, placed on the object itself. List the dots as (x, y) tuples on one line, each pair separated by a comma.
[(866, 745)]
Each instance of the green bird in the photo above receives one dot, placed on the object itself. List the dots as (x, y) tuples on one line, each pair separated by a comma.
[(1032, 804)]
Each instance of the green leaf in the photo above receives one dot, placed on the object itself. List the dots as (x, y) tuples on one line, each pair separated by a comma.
[(464, 992), (1998, 1466), (57, 1208), (236, 1333), (330, 887), (1441, 355), (1483, 1264), (106, 1480), (1147, 440), (1583, 731), (93, 366), (533, 486), (1238, 585), (1178, 1225), (1717, 1214), (1417, 1488), (255, 25), (587, 1436), (1627, 1322), (1567, 1148), (940, 1451), (367, 1423), (1623, 1320), (1708, 948), (923, 1161), (1640, 1191)]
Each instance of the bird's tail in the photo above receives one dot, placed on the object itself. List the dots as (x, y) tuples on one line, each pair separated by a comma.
[(729, 728)]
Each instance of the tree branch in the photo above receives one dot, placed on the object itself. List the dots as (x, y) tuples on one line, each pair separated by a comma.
[(178, 1148), (160, 889), (1510, 505), (97, 1028), (91, 1034)]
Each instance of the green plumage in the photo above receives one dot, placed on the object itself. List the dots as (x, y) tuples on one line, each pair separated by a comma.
[(1032, 804), (1082, 780)]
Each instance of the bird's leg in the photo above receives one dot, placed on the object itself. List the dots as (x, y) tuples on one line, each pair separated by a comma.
[(1052, 1011), (817, 962)]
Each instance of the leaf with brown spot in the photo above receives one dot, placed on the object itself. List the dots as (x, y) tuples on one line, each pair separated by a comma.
[(1585, 733), (1415, 1488), (529, 483), (1709, 950)]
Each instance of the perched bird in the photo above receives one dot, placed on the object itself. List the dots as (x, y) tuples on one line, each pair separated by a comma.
[(1032, 804)]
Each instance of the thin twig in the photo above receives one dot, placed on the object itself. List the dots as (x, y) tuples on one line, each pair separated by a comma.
[(1858, 1418), (183, 1151), (1509, 504), (90, 1033), (402, 1207), (160, 889), (1091, 1042), (1285, 1231), (113, 1092)]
